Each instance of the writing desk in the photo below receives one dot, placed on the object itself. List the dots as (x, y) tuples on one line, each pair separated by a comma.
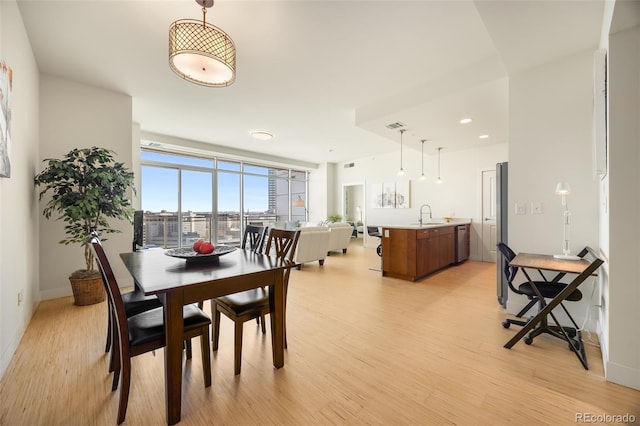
[(582, 268), (178, 283)]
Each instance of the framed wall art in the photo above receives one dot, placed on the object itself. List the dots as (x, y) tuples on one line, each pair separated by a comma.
[(6, 82), (390, 195)]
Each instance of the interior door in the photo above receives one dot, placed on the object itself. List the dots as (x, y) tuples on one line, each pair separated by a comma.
[(489, 231)]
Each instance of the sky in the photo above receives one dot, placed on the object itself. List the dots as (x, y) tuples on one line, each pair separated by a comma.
[(160, 186)]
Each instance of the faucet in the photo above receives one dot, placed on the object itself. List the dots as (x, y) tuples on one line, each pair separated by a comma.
[(421, 207)]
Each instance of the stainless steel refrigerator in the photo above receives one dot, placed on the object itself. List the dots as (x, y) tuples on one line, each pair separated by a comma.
[(502, 214)]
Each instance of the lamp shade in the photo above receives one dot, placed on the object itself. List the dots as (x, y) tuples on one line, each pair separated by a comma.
[(202, 53), (298, 202), (562, 188)]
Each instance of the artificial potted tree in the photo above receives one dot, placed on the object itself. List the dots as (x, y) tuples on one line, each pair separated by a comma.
[(88, 188)]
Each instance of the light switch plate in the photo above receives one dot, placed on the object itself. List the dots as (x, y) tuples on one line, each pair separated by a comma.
[(520, 208), (536, 207)]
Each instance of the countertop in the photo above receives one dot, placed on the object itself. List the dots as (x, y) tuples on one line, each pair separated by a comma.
[(433, 224)]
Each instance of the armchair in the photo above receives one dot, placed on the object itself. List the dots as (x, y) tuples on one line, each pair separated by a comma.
[(340, 236), (313, 244)]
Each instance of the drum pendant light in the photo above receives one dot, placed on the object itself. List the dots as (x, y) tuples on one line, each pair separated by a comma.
[(202, 53)]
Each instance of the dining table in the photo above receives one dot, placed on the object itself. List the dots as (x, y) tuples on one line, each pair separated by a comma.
[(179, 281)]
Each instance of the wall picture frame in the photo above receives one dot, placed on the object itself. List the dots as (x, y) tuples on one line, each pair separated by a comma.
[(6, 84), (391, 195)]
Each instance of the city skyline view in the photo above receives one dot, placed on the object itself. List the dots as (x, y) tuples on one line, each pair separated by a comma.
[(160, 187)]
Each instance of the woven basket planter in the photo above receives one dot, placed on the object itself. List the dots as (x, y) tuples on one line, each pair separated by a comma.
[(87, 291)]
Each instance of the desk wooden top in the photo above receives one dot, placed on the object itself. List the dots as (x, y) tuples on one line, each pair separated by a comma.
[(549, 263)]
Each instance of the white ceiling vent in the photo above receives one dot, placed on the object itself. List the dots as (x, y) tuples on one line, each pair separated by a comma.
[(395, 125)]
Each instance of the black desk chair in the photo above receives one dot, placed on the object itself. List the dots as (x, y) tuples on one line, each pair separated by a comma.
[(537, 292), (374, 231)]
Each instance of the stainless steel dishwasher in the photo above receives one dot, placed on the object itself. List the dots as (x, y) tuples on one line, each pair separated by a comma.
[(462, 248)]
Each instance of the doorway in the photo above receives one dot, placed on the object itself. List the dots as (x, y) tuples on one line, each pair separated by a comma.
[(353, 210), (489, 230)]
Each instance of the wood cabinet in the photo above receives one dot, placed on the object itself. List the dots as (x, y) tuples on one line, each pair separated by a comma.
[(411, 254)]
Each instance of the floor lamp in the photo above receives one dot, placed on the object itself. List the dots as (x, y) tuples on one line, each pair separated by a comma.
[(300, 203), (563, 189)]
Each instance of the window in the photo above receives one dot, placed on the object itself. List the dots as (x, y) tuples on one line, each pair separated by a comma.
[(189, 198)]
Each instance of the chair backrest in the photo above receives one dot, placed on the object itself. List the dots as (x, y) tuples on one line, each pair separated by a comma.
[(113, 292), (254, 237), (373, 231), (509, 271), (283, 243)]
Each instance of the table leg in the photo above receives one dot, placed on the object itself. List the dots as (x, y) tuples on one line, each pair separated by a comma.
[(276, 304), (552, 304), (174, 330)]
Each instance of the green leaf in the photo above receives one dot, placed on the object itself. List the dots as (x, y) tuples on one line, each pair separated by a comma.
[(87, 186)]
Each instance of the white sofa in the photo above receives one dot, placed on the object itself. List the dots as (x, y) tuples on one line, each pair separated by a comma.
[(313, 244), (339, 236)]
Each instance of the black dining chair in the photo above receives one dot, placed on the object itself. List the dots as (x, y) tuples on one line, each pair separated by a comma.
[(250, 304), (546, 289), (135, 302), (254, 238), (144, 332)]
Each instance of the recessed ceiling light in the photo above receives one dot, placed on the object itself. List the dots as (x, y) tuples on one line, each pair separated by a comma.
[(483, 136), (262, 135), (466, 121)]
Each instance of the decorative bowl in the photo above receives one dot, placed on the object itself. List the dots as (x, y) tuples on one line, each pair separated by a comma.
[(192, 256)]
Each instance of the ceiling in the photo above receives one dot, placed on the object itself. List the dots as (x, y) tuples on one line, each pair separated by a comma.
[(326, 77)]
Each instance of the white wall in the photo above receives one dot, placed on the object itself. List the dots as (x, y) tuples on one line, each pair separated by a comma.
[(621, 292), (459, 194), (550, 133), (18, 200), (320, 203), (73, 115)]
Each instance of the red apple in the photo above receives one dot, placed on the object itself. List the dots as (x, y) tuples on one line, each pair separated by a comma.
[(197, 245), (206, 248)]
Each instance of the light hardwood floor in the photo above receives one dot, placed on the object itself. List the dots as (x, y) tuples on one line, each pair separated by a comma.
[(362, 350)]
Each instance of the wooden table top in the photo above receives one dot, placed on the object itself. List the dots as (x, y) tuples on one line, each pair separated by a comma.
[(549, 263), (156, 273)]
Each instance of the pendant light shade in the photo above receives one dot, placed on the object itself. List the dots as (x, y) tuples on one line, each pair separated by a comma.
[(439, 180), (401, 171), (202, 53), (422, 176)]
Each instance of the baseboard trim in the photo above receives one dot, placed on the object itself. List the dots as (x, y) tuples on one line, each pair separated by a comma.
[(622, 375), (10, 351), (56, 293)]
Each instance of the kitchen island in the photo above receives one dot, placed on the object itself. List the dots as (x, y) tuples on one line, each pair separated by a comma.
[(414, 251)]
